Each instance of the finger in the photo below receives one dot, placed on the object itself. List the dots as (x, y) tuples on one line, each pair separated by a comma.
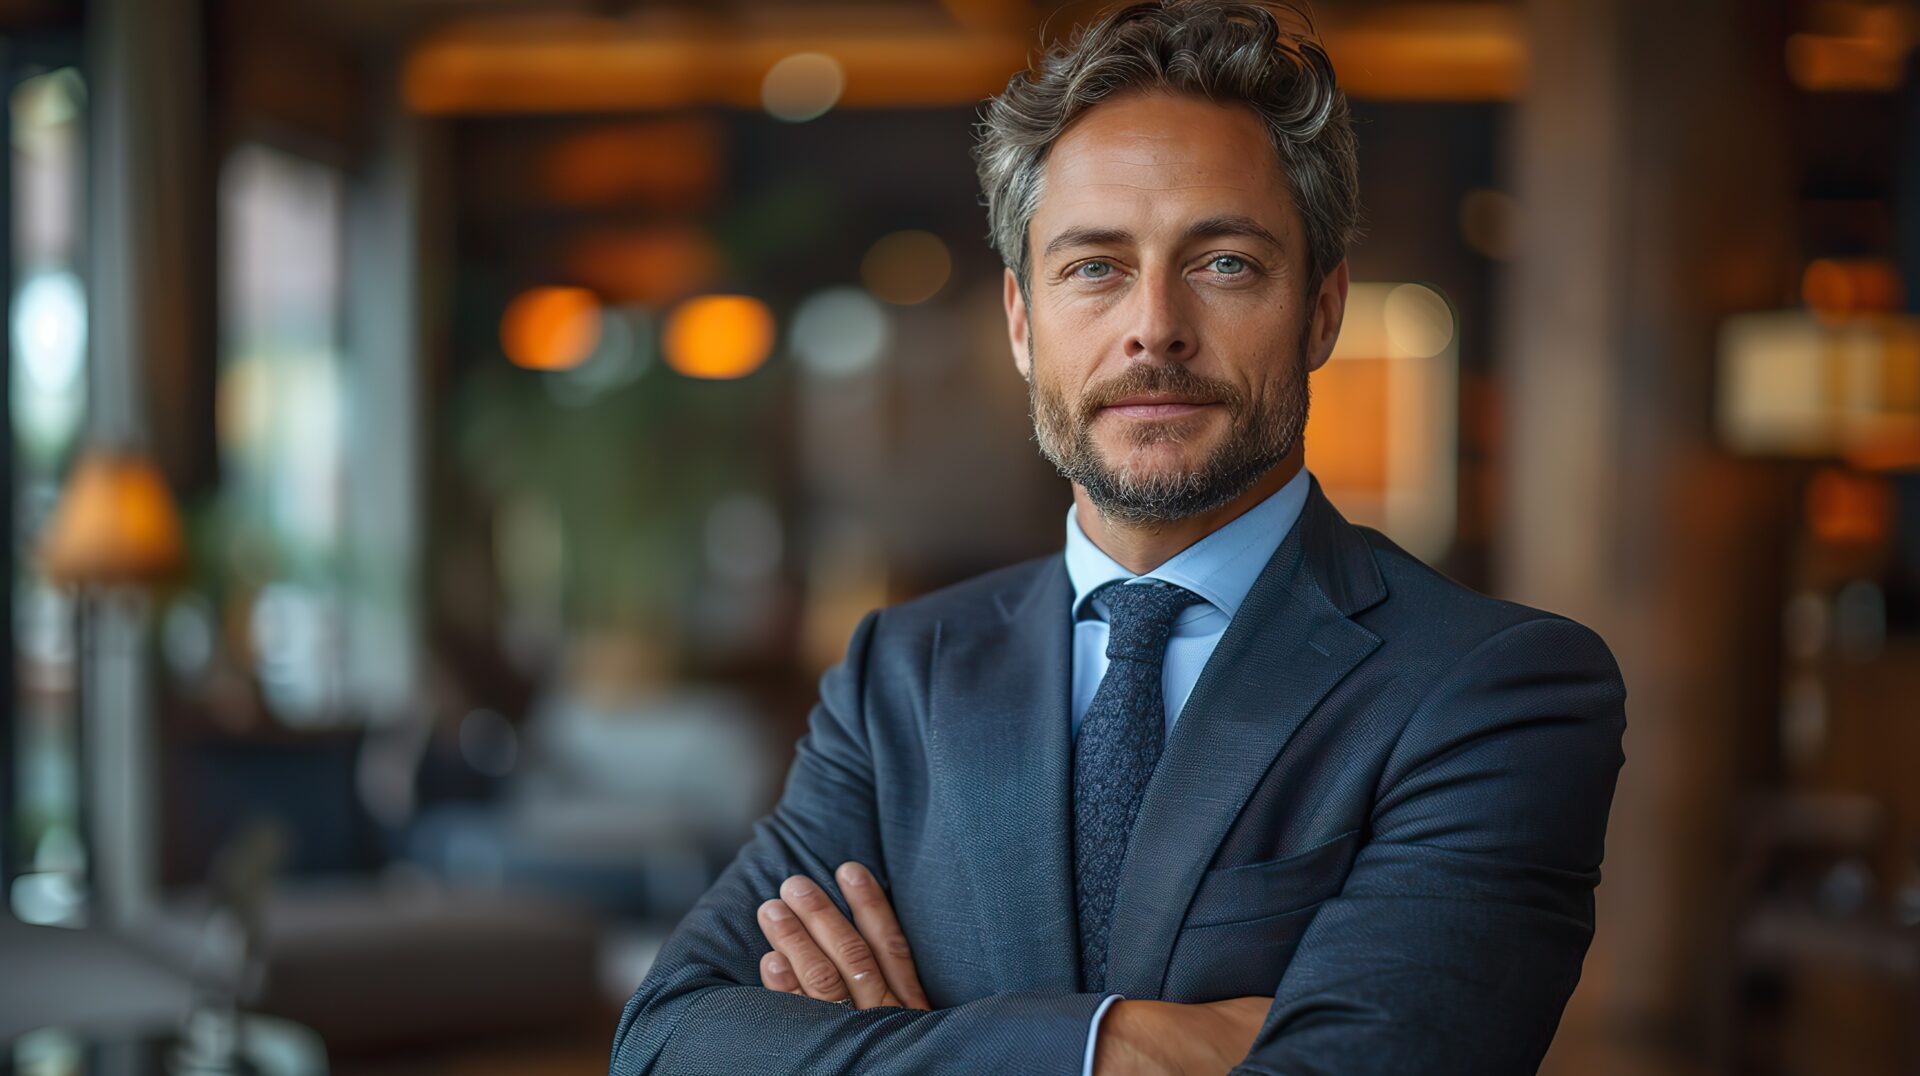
[(873, 915), (817, 975), (776, 974), (843, 944)]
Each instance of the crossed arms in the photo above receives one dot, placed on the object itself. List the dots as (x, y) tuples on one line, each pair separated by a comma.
[(817, 953), (1452, 946)]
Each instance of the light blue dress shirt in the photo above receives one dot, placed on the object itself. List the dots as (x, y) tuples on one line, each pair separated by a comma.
[(1221, 568)]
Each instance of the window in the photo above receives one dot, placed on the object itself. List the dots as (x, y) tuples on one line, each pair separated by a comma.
[(47, 335), (281, 417)]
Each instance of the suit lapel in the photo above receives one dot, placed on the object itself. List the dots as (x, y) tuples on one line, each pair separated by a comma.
[(1290, 642), (1001, 746)]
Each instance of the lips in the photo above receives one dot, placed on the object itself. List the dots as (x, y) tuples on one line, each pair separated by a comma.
[(1156, 405)]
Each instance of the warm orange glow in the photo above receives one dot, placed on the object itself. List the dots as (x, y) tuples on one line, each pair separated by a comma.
[(551, 328), (718, 336), (1834, 63), (1795, 384), (1852, 46), (1834, 288), (669, 162), (600, 65), (1347, 425), (1383, 435), (989, 14), (1890, 453), (648, 266), (1844, 508), (116, 523), (1481, 56), (1454, 52)]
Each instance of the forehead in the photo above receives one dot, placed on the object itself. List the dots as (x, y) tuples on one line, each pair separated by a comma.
[(1146, 161)]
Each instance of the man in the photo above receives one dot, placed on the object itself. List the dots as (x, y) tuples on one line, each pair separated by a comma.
[(1231, 785)]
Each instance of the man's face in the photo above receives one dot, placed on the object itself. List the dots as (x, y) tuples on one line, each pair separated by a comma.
[(1168, 331)]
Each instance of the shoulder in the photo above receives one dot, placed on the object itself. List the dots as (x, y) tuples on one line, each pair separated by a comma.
[(1468, 671), (899, 632), (995, 594), (1444, 623)]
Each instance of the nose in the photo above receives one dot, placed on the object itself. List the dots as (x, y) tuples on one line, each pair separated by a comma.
[(1161, 327)]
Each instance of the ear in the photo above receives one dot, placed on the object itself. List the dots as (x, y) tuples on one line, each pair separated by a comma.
[(1329, 307), (1017, 325)]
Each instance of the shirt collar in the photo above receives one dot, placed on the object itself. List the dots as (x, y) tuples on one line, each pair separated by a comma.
[(1220, 567)]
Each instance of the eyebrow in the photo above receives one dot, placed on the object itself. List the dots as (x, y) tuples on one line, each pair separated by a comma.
[(1207, 228)]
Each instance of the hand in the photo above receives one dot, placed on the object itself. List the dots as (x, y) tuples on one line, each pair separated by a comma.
[(1161, 1038), (818, 954)]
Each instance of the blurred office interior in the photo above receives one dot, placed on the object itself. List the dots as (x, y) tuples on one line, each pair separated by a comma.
[(450, 437)]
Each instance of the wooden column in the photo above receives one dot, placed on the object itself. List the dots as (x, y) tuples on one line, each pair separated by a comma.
[(1650, 163)]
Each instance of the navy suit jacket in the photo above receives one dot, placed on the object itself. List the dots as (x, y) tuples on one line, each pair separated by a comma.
[(1383, 804)]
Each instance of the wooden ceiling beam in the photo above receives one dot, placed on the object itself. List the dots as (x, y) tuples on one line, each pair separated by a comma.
[(1460, 52)]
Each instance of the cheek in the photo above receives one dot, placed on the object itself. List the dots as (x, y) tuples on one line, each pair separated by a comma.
[(1064, 357), (1253, 322), (1261, 354)]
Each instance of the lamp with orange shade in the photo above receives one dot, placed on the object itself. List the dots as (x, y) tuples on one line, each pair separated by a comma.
[(114, 533), (116, 525)]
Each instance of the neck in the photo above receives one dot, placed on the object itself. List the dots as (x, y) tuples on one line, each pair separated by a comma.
[(1142, 547)]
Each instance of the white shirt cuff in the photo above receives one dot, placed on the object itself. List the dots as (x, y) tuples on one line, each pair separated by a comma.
[(1093, 1032)]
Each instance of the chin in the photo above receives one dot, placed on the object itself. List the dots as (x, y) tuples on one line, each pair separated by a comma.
[(1160, 460)]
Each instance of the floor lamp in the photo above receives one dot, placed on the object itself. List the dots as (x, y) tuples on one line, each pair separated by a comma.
[(114, 535)]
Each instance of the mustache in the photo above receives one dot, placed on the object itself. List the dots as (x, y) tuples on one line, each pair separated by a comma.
[(1165, 378)]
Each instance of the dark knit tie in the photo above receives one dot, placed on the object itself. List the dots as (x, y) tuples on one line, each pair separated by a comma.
[(1114, 754)]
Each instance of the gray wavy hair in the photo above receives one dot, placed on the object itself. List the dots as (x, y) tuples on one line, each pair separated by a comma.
[(1223, 50)]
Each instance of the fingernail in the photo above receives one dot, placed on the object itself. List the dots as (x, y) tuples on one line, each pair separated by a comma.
[(797, 886), (777, 911), (853, 875), (777, 964), (861, 977)]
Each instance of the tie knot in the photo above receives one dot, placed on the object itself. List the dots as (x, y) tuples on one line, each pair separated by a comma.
[(1140, 618)]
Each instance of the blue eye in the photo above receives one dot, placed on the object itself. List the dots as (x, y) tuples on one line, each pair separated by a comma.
[(1086, 271), (1229, 265)]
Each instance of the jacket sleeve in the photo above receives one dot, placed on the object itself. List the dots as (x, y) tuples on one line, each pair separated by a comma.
[(702, 1010), (1459, 934)]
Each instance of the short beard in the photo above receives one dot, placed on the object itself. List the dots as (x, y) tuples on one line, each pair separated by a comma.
[(1262, 432)]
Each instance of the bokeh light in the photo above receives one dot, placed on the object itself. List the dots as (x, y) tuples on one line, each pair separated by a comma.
[(907, 267), (1488, 220), (1844, 508), (1418, 321), (551, 328), (1837, 288), (718, 336), (802, 87), (624, 353), (50, 341), (50, 330), (839, 331)]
